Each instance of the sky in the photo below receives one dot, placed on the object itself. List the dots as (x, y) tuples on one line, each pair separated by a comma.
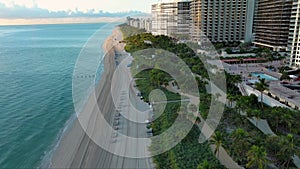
[(83, 5), (23, 11)]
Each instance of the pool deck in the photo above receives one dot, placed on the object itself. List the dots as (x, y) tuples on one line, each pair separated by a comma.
[(263, 76), (284, 93), (245, 70), (275, 88)]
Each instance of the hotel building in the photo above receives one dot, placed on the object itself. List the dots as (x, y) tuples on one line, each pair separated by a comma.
[(222, 21), (272, 23), (294, 39)]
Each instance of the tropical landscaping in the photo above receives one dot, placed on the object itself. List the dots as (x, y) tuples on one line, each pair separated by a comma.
[(189, 153), (128, 31), (243, 52), (241, 138), (247, 144)]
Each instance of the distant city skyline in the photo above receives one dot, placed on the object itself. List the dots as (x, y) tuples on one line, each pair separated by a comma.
[(82, 5), (14, 12)]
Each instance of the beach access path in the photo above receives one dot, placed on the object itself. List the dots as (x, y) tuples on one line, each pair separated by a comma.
[(78, 150)]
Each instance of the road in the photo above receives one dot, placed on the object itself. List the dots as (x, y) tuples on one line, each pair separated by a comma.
[(133, 112), (79, 147)]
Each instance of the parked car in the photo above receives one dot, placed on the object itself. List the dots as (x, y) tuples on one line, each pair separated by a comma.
[(150, 130), (116, 123), (149, 134)]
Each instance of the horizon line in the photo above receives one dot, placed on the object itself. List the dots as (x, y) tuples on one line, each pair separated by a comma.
[(53, 21)]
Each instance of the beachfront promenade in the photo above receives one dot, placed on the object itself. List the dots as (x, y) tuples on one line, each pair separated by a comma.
[(112, 97)]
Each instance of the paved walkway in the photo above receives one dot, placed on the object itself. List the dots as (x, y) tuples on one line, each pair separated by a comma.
[(296, 161), (263, 125), (224, 158), (266, 99)]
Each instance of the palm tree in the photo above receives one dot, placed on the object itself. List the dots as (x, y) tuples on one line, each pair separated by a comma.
[(205, 165), (242, 103), (285, 76), (287, 119), (261, 86), (257, 158), (275, 117), (217, 140), (250, 75), (288, 149), (241, 60), (240, 143), (255, 113), (239, 134), (272, 144), (230, 99)]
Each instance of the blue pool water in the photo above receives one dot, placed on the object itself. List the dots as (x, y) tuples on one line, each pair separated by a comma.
[(264, 76), (36, 68)]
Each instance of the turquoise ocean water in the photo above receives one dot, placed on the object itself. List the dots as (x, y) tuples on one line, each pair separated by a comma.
[(36, 69)]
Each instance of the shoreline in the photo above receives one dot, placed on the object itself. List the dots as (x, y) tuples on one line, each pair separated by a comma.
[(68, 151)]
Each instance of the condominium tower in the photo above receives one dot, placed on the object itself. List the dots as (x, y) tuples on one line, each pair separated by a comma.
[(272, 23), (171, 19), (141, 23), (294, 35), (222, 21)]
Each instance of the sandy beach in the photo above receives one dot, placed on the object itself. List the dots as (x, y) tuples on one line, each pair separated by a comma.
[(77, 149)]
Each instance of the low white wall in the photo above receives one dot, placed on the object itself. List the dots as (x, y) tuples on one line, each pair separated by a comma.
[(266, 99), (224, 54)]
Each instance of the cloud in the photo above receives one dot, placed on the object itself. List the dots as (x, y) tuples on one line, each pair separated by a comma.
[(22, 12)]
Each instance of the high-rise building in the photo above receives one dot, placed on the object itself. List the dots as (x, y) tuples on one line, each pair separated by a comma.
[(183, 20), (196, 13), (141, 23), (164, 18), (294, 35), (171, 19), (272, 23), (145, 23), (222, 21)]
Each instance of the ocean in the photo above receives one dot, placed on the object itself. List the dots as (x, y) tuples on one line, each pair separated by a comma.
[(36, 70)]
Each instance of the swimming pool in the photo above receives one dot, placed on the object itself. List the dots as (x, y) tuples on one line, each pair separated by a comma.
[(263, 76)]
